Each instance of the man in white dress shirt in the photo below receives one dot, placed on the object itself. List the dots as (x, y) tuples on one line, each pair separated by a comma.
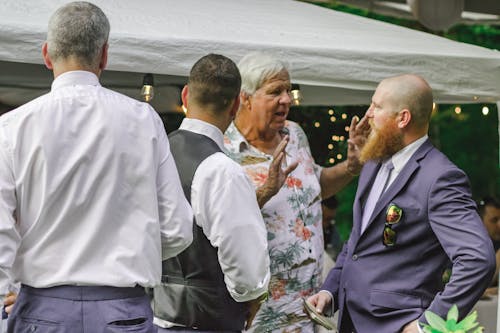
[(89, 193), (217, 284)]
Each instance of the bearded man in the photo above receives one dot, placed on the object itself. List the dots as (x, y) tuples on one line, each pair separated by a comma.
[(413, 213)]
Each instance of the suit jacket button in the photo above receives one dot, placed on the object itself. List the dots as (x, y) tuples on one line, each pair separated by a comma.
[(354, 257)]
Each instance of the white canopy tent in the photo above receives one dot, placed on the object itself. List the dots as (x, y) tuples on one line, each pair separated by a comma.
[(337, 58)]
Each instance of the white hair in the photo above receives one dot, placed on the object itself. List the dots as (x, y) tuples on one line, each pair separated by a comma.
[(256, 68)]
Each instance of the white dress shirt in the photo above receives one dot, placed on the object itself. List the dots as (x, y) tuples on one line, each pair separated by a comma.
[(225, 207), (89, 192)]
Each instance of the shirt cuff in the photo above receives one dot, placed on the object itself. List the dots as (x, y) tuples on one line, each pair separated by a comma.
[(329, 310), (419, 328)]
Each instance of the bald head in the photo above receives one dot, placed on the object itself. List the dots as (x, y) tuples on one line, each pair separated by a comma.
[(410, 92)]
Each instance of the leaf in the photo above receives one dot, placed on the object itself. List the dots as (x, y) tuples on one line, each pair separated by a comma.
[(453, 313), (435, 321), (428, 329), (469, 322), (451, 325)]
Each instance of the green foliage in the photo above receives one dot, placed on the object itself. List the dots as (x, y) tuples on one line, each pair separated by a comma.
[(451, 325)]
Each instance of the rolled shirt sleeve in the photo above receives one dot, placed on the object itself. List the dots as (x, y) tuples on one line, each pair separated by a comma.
[(225, 207)]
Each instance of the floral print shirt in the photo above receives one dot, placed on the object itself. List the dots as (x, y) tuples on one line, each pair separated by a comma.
[(294, 231)]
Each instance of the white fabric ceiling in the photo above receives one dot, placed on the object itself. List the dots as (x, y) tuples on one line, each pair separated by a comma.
[(336, 57)]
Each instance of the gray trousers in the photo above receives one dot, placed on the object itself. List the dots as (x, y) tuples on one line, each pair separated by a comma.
[(75, 309)]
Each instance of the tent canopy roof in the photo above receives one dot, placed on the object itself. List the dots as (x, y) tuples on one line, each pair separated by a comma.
[(337, 58)]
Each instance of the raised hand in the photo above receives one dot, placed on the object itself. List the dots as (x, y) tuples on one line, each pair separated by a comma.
[(358, 133), (277, 175)]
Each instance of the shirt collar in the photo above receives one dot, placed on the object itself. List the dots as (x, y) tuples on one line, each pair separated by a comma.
[(73, 78), (202, 127), (238, 143), (400, 159)]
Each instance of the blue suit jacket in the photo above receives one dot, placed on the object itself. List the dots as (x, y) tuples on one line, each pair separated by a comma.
[(384, 288)]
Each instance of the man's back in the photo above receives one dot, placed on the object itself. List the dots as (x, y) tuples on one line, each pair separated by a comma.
[(85, 162)]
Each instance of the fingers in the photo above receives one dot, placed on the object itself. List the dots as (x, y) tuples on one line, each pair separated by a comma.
[(9, 302), (281, 147), (290, 168), (351, 145), (354, 123), (363, 124), (254, 308), (277, 160), (313, 300)]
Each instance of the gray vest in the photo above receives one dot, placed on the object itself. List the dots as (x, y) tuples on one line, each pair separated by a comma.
[(193, 292)]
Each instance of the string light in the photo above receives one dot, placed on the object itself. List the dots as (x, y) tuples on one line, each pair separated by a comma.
[(344, 116), (296, 94), (330, 146), (147, 90), (342, 138), (485, 110), (339, 156), (330, 112), (333, 119), (317, 124), (331, 160), (347, 128), (458, 110), (434, 109)]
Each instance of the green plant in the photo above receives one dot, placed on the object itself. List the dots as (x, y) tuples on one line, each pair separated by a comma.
[(451, 325)]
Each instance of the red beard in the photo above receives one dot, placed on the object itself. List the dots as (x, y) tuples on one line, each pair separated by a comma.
[(382, 143)]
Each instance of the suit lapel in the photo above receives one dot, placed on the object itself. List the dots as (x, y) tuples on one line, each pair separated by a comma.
[(365, 182), (397, 185)]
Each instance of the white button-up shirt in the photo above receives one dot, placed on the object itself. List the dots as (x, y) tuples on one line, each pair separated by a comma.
[(88, 188), (225, 207)]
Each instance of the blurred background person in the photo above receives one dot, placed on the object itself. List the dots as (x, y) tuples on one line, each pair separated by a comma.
[(489, 210), (333, 242), (293, 215)]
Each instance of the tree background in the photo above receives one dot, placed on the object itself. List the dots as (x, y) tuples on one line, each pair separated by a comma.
[(469, 138)]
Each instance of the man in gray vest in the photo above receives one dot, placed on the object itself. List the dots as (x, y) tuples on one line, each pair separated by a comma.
[(217, 283)]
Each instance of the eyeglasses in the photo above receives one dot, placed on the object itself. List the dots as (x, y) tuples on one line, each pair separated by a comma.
[(393, 216)]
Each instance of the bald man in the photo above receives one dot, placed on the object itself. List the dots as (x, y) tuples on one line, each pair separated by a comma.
[(413, 213)]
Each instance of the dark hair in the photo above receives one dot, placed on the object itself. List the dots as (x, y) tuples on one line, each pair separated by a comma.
[(487, 201), (214, 82), (330, 202)]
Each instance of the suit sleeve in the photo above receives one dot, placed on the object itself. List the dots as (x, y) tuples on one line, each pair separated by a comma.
[(460, 231), (332, 280)]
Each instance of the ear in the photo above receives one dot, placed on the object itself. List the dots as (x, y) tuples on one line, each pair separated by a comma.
[(184, 95), (104, 57), (46, 57), (404, 118), (235, 107), (245, 101)]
